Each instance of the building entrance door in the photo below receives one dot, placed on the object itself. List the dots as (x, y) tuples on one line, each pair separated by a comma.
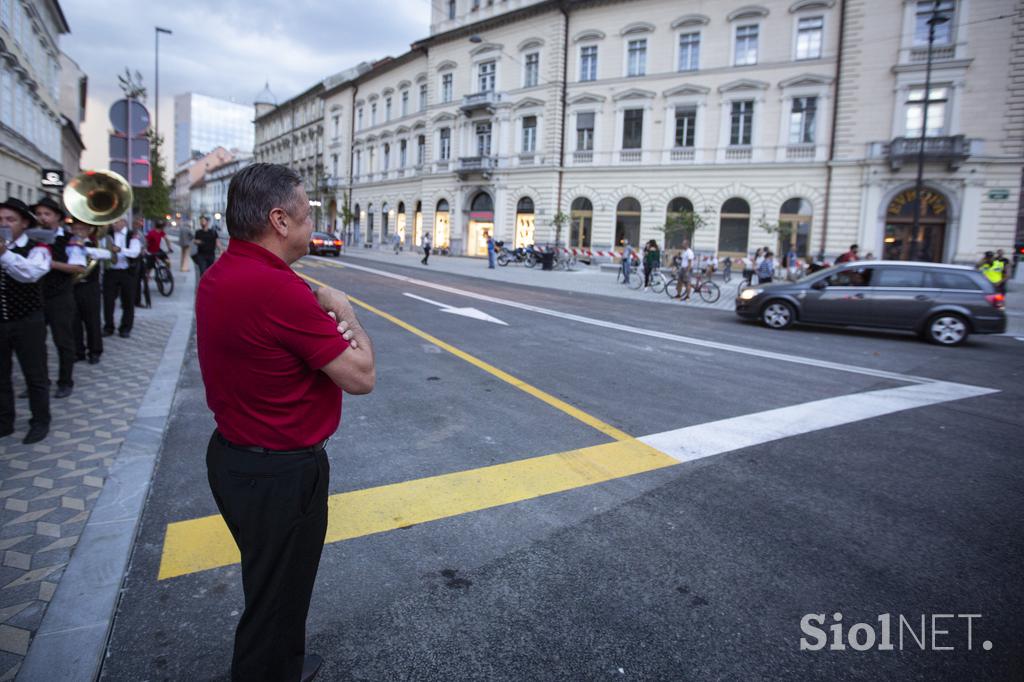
[(928, 243)]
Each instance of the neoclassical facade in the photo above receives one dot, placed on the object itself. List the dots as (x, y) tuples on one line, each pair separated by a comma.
[(595, 122)]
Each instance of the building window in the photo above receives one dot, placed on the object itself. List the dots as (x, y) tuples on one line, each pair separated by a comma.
[(801, 120), (531, 70), (373, 114), (446, 87), (943, 32), (483, 139), (936, 111), (423, 97), (689, 51), (686, 126), (337, 126), (386, 158), (402, 149), (485, 76), (359, 118), (675, 218), (451, 9), (734, 227), (358, 163), (741, 123), (421, 149), (585, 131), (627, 222), (405, 103), (637, 57), (529, 134), (808, 38), (445, 148), (746, 45), (334, 165), (632, 128), (588, 63)]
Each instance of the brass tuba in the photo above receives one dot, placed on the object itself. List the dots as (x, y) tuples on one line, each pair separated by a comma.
[(98, 198)]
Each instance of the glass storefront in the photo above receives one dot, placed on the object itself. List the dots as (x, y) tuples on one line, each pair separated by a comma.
[(442, 226), (525, 223), (481, 224), (581, 221), (928, 243)]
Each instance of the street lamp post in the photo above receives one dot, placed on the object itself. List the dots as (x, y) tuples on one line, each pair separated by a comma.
[(156, 73), (933, 21)]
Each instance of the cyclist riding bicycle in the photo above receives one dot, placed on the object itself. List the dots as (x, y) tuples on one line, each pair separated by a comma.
[(154, 239)]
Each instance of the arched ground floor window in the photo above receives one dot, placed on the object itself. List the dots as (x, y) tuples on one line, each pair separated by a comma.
[(795, 219), (525, 223), (442, 225), (581, 222), (734, 229), (928, 242), (676, 222), (481, 224), (627, 222)]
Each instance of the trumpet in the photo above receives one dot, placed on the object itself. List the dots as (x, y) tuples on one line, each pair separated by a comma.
[(98, 198)]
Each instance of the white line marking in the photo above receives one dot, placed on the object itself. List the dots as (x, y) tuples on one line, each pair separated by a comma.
[(703, 343), (465, 312), (718, 437)]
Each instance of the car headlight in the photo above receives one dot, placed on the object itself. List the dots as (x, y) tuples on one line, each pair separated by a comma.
[(748, 294)]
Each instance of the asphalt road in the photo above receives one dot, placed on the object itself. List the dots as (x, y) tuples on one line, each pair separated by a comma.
[(700, 570)]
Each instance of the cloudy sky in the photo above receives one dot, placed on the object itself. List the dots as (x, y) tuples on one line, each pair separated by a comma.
[(226, 48)]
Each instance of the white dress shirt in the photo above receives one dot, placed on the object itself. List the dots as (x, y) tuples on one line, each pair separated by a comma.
[(29, 268), (131, 250)]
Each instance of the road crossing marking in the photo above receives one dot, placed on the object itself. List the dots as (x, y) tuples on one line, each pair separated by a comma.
[(205, 543), (703, 343)]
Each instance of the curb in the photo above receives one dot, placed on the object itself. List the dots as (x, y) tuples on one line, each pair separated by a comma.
[(71, 641)]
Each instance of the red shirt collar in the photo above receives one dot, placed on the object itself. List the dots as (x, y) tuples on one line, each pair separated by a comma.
[(244, 249)]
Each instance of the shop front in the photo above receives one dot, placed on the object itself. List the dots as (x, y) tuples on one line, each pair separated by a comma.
[(481, 224), (926, 242)]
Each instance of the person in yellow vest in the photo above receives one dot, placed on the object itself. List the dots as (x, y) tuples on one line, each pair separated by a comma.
[(994, 270)]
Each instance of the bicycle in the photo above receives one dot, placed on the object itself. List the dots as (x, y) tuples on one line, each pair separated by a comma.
[(163, 276), (708, 290), (565, 261), (660, 281)]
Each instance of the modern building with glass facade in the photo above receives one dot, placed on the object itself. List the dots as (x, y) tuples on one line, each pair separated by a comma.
[(202, 123)]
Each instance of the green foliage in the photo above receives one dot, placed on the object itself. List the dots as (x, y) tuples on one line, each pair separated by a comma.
[(558, 221), (783, 230), (155, 201), (684, 223), (131, 85), (347, 216)]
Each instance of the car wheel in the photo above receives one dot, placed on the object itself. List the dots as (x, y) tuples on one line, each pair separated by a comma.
[(947, 329), (778, 315)]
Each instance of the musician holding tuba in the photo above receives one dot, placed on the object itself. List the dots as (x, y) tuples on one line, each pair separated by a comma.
[(86, 326), (58, 294), (23, 262)]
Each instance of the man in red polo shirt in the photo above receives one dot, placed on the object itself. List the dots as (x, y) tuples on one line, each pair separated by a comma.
[(275, 358)]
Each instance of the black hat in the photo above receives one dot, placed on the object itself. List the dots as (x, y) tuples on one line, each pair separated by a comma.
[(49, 202), (18, 206)]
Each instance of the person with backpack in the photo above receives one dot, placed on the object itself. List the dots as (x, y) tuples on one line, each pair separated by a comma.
[(766, 268)]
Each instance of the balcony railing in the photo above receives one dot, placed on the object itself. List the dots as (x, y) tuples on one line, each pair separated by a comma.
[(800, 152), (682, 154), (952, 149), (583, 157), (631, 156), (939, 53), (738, 154), (480, 100), (527, 159), (477, 165)]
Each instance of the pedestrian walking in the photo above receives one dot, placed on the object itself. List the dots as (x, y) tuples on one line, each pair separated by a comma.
[(120, 279), (994, 270), (22, 321), (185, 236), (396, 242), (86, 327), (686, 259), (627, 258), (426, 248), (490, 250), (275, 358), (206, 245), (766, 269), (58, 290), (1007, 270), (652, 260)]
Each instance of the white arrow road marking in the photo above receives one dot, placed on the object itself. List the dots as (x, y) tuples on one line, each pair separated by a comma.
[(465, 312)]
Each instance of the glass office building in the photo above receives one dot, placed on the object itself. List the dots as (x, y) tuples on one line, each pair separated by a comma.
[(201, 124)]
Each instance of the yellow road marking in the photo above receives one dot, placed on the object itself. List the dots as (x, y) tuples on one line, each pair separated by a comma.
[(205, 543), (558, 404)]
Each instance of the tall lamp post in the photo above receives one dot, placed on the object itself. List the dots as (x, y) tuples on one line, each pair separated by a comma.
[(156, 73), (934, 20)]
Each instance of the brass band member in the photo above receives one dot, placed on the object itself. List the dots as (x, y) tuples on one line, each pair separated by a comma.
[(121, 279), (58, 294), (22, 321), (88, 344)]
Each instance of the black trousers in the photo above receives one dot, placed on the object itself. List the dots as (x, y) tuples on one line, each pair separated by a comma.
[(60, 314), (26, 338), (426, 255), (87, 318), (119, 284), (275, 506), (203, 262)]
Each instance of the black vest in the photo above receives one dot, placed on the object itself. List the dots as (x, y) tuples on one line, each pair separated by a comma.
[(57, 283), (18, 300)]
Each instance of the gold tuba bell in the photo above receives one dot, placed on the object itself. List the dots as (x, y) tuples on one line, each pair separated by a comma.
[(98, 198)]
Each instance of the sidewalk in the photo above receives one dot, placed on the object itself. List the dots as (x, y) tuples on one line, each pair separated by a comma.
[(589, 279), (71, 503)]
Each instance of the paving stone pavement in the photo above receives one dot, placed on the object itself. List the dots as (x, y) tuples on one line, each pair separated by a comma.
[(48, 489)]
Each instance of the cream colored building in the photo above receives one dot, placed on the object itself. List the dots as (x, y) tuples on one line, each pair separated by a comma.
[(620, 114)]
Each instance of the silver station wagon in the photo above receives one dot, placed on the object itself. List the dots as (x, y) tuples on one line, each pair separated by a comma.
[(942, 303)]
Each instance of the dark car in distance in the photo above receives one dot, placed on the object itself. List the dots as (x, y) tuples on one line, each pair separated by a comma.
[(323, 244), (942, 303)]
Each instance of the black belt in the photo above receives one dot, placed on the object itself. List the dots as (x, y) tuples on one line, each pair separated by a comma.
[(316, 447)]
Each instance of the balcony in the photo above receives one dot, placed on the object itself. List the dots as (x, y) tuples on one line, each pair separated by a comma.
[(480, 100), (681, 154), (738, 154), (919, 55), (476, 165), (800, 152), (631, 156), (583, 156), (527, 159), (952, 149)]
